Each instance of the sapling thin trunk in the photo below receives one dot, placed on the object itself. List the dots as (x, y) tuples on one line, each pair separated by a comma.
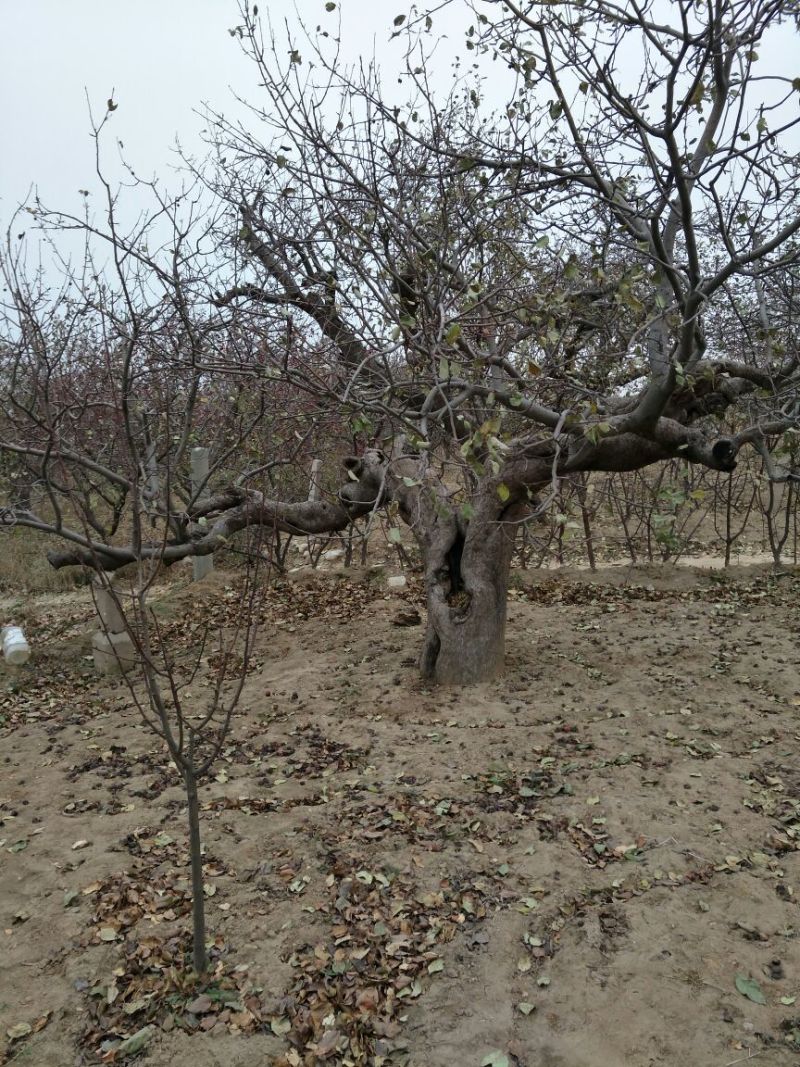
[(199, 955), (583, 493), (737, 508), (193, 737), (728, 517), (183, 738), (624, 514), (777, 515)]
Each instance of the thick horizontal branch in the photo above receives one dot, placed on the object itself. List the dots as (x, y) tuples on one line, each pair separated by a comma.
[(760, 376), (251, 292), (308, 517)]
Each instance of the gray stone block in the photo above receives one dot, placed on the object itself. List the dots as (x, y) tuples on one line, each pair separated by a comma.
[(113, 653)]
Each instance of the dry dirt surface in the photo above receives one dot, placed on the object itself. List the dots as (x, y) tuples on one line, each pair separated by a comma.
[(590, 863)]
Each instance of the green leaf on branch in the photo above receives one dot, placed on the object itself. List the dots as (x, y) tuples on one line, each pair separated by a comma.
[(596, 432), (698, 95), (503, 492), (571, 271)]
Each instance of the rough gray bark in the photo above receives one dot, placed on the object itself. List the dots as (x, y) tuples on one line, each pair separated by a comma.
[(199, 954), (198, 457), (465, 637), (468, 619), (466, 565)]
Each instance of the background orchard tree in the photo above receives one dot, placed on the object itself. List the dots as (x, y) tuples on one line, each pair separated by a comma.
[(107, 382), (109, 378)]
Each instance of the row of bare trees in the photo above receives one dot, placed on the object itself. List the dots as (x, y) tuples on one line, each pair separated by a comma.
[(678, 512)]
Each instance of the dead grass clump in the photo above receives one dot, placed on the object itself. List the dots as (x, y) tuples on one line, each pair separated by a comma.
[(24, 567)]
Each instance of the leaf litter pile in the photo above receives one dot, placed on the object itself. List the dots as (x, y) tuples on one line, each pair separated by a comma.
[(351, 992), (152, 985), (381, 859)]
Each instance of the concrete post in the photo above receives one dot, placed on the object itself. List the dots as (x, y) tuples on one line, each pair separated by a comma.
[(201, 565), (108, 610), (314, 489), (112, 647), (314, 493)]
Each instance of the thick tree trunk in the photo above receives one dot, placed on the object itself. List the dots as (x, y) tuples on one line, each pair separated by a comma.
[(465, 642), (467, 596)]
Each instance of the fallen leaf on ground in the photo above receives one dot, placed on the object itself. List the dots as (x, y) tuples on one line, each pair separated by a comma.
[(14, 1033), (495, 1059), (750, 988)]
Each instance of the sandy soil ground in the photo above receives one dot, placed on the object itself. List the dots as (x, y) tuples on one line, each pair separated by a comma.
[(591, 863)]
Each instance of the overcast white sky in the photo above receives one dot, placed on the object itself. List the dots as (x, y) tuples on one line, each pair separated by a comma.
[(161, 58)]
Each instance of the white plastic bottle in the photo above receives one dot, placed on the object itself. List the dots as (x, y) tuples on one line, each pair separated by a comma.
[(16, 649)]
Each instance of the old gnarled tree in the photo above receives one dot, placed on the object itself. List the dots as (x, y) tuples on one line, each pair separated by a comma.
[(601, 279)]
